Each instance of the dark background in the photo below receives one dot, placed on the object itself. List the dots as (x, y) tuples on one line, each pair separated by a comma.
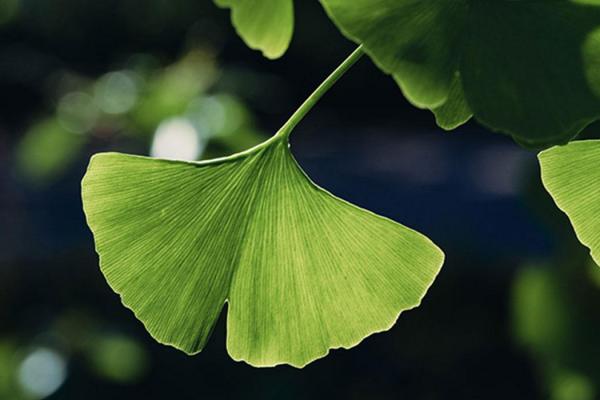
[(513, 314)]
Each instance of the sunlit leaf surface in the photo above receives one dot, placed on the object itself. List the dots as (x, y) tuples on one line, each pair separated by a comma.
[(301, 270), (265, 25), (571, 174), (526, 67)]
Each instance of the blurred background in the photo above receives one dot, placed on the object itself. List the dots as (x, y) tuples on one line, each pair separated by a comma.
[(513, 315)]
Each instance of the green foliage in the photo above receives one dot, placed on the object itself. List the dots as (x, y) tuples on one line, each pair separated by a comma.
[(38, 165), (455, 111), (527, 69), (535, 292), (8, 372), (118, 358), (302, 270), (135, 102), (570, 174), (8, 10), (265, 25), (556, 321), (170, 93), (520, 63)]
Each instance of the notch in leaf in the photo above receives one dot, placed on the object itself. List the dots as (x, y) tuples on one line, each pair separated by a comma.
[(301, 270), (265, 25), (570, 174), (525, 68)]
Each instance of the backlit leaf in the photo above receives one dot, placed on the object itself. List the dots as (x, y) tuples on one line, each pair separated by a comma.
[(301, 270), (571, 174), (265, 25), (455, 111), (527, 68)]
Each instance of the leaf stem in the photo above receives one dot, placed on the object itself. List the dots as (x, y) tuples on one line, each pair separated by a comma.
[(323, 88), (285, 131)]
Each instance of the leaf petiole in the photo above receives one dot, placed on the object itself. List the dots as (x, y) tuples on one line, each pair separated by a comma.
[(323, 88), (284, 132)]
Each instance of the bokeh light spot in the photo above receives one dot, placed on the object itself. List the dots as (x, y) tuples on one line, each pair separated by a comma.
[(119, 358), (209, 114), (116, 92), (177, 139), (572, 386), (9, 9), (42, 372), (77, 112), (46, 151)]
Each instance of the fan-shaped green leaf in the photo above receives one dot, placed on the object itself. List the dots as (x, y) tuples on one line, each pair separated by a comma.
[(455, 111), (526, 66), (265, 25), (571, 174), (302, 270)]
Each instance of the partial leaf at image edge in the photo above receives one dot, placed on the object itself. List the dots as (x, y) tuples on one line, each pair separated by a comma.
[(524, 66), (455, 111), (302, 271), (265, 25), (571, 175)]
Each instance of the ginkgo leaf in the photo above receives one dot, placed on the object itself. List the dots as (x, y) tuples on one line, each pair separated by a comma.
[(265, 25), (301, 270), (526, 67), (571, 175), (455, 111)]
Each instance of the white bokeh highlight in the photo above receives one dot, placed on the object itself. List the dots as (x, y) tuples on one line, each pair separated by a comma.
[(177, 139), (42, 372)]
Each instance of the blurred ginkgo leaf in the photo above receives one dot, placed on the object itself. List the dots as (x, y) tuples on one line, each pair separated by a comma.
[(46, 151), (118, 358)]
